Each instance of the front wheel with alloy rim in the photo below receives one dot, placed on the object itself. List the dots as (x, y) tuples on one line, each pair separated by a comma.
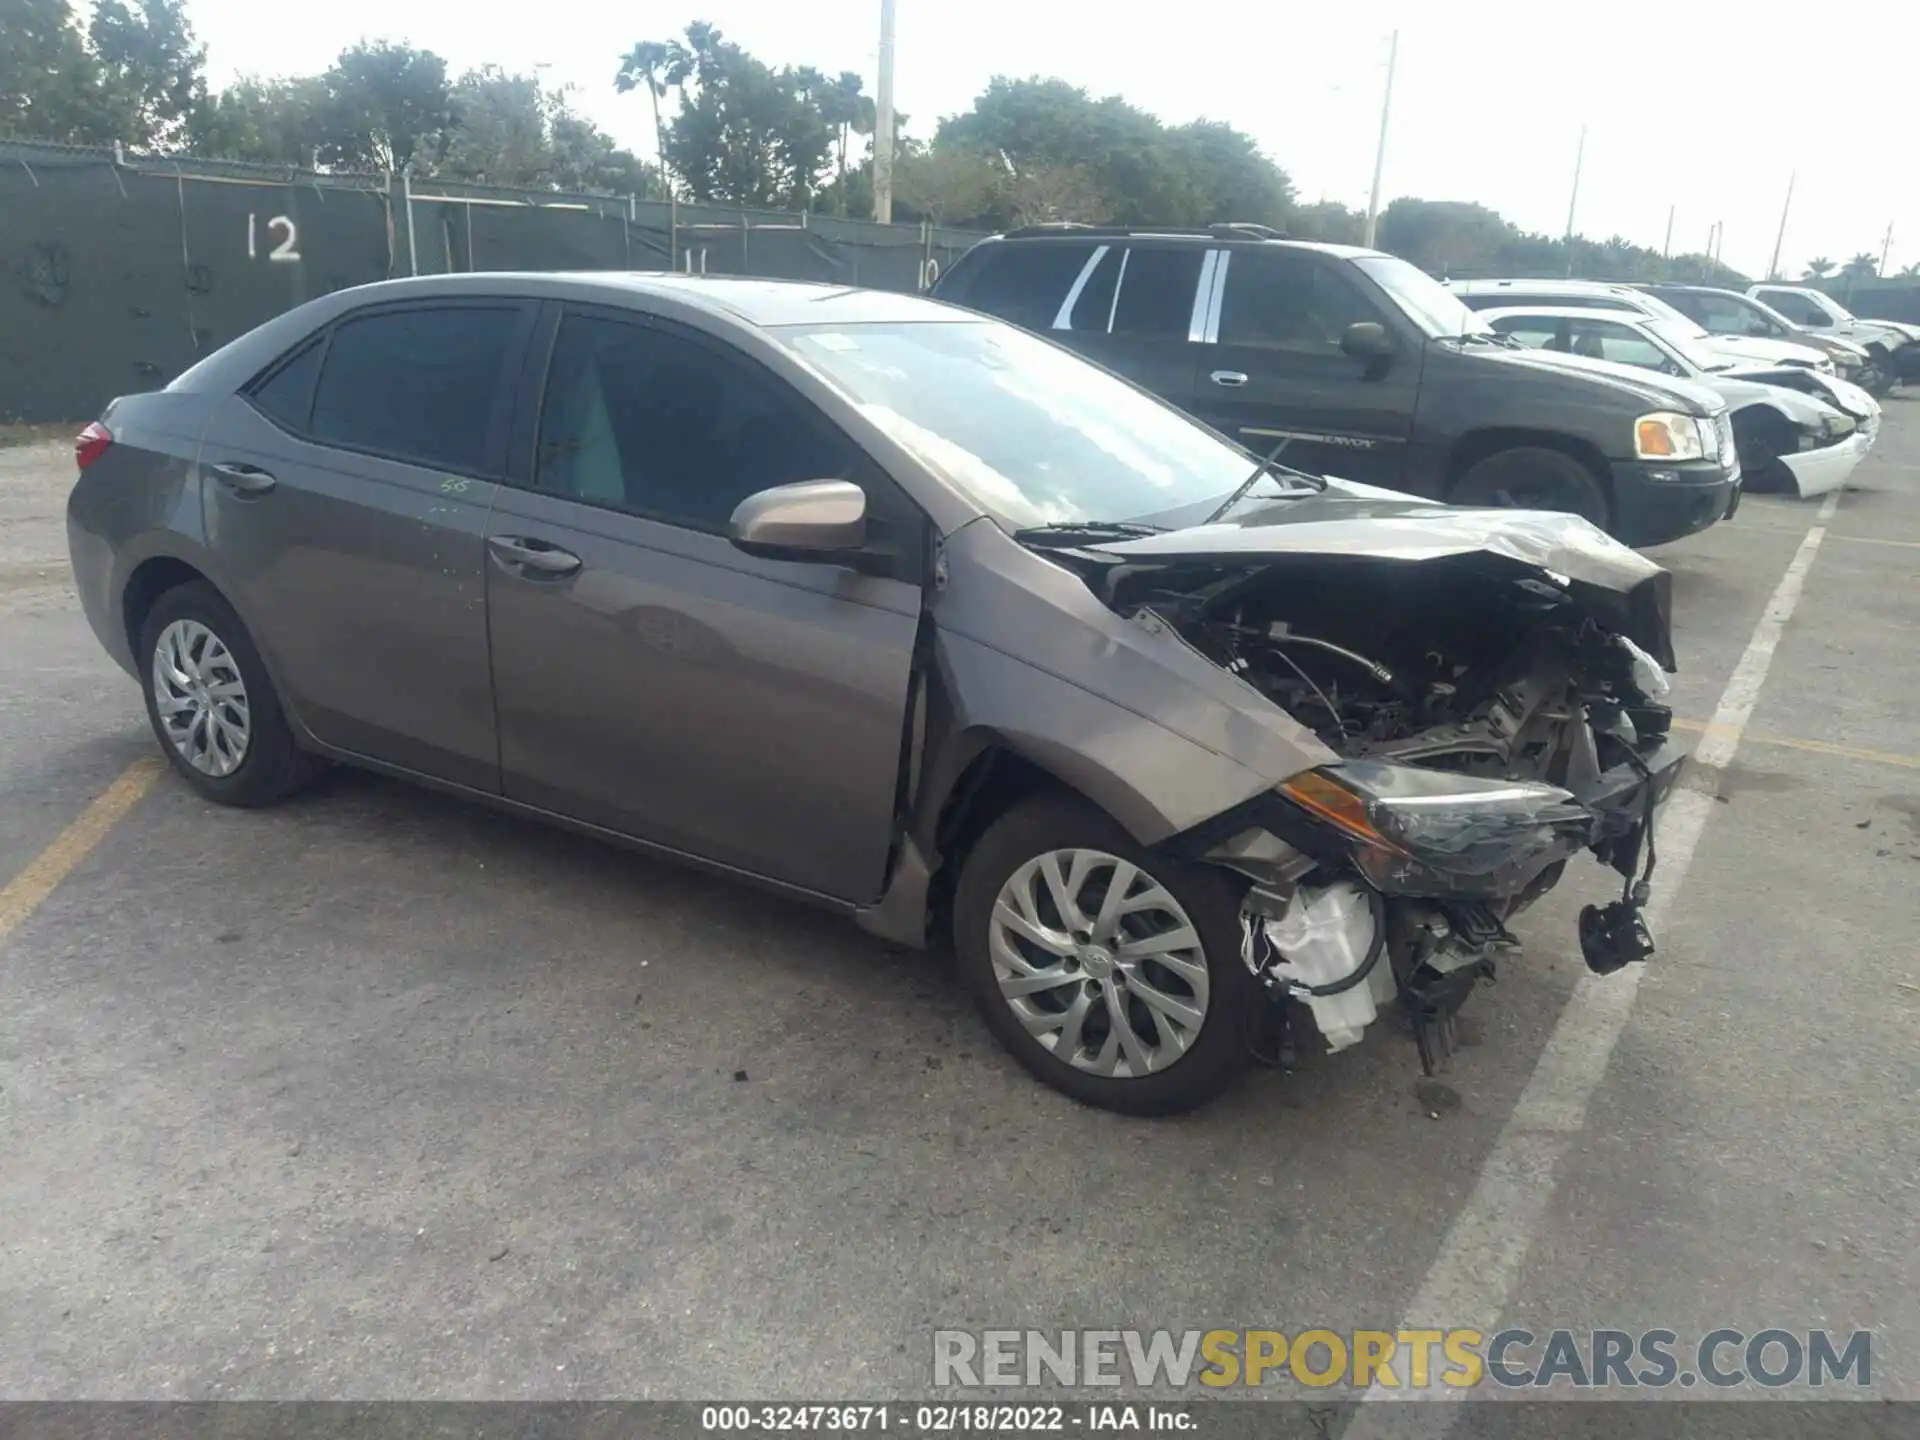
[(211, 704), (1534, 477), (1112, 973)]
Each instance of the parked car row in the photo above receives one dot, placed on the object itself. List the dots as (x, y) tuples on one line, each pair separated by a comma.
[(1349, 362), (1794, 429)]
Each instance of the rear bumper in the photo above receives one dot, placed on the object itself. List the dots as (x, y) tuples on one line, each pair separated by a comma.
[(1654, 502)]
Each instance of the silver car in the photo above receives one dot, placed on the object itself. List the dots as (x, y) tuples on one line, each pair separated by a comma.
[(902, 611)]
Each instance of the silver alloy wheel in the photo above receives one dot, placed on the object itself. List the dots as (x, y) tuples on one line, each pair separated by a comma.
[(1099, 962), (200, 698)]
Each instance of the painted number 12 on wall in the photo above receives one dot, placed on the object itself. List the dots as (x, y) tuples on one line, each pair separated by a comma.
[(288, 247)]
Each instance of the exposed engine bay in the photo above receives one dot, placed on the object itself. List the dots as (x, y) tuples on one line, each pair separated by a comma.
[(1473, 666)]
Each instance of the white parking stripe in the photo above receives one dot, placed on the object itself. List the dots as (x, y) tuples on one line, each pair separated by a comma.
[(1472, 1279)]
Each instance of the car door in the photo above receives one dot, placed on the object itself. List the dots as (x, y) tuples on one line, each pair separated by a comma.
[(345, 495), (1138, 308), (1274, 372), (650, 678)]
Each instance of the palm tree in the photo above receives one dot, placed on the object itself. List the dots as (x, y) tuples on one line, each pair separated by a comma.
[(849, 109), (1861, 267), (655, 64), (1819, 269), (1911, 272)]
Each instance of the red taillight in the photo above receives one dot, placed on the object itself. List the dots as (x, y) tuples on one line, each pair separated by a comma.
[(91, 443)]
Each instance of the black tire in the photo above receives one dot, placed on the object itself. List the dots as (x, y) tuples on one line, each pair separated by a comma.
[(1215, 1054), (272, 766), (1876, 378), (1760, 437), (1535, 477)]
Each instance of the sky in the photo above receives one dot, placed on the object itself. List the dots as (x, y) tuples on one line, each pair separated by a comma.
[(1699, 107)]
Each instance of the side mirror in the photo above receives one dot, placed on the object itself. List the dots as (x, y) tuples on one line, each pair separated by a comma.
[(820, 520), (1367, 340)]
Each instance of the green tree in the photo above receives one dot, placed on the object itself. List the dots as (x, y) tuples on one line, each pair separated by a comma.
[(276, 121), (1327, 220), (746, 133), (847, 107), (50, 83), (656, 65), (1143, 171), (1819, 269), (388, 106), (499, 131), (1864, 266), (152, 69)]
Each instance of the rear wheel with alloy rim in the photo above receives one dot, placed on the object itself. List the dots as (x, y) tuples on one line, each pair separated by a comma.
[(1534, 477), (1111, 973), (212, 705)]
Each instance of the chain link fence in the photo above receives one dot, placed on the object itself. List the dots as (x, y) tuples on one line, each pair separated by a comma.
[(121, 271)]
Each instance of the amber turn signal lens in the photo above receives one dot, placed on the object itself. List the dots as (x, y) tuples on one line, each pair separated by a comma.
[(1336, 805), (1655, 438)]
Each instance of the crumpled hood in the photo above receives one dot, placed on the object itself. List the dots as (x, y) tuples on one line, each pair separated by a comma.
[(1348, 518), (1352, 519)]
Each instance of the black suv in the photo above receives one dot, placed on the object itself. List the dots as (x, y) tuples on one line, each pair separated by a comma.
[(1357, 364)]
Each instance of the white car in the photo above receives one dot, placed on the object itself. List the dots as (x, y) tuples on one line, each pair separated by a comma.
[(1599, 295), (1793, 430), (1897, 341)]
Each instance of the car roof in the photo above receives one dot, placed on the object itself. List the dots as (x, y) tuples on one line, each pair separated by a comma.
[(1568, 287), (1570, 312), (752, 301), (1110, 235)]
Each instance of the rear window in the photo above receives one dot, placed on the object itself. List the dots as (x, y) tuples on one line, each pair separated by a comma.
[(419, 385), (1024, 283)]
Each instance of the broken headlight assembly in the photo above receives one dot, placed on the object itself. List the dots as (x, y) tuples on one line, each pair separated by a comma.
[(1414, 831)]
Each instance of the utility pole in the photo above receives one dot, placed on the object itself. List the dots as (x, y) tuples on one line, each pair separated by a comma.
[(1380, 150), (1773, 266), (1666, 245), (1579, 156), (1886, 248), (883, 122)]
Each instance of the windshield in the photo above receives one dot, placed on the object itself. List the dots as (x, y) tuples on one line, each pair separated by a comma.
[(1428, 303), (1686, 340), (1033, 434)]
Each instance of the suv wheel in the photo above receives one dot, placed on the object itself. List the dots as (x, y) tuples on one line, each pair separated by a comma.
[(211, 705), (1111, 973), (1534, 477)]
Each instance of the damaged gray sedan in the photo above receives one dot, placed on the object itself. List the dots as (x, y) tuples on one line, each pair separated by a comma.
[(906, 612)]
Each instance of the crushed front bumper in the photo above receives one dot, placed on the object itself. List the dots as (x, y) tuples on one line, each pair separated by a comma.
[(1816, 472)]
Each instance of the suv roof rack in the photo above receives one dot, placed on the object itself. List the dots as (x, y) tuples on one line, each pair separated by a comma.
[(1224, 230)]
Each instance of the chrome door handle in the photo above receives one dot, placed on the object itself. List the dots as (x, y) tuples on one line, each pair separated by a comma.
[(1232, 379), (533, 554), (243, 479)]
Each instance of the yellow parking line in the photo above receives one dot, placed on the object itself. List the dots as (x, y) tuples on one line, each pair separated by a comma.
[(1816, 747), (72, 845)]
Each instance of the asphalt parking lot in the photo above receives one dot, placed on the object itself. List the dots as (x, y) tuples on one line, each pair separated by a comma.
[(378, 1095)]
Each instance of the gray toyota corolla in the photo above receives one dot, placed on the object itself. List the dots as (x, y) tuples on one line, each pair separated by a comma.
[(903, 611)]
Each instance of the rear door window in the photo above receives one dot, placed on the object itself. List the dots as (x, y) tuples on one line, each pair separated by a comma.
[(1156, 292), (422, 384), (1026, 283)]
